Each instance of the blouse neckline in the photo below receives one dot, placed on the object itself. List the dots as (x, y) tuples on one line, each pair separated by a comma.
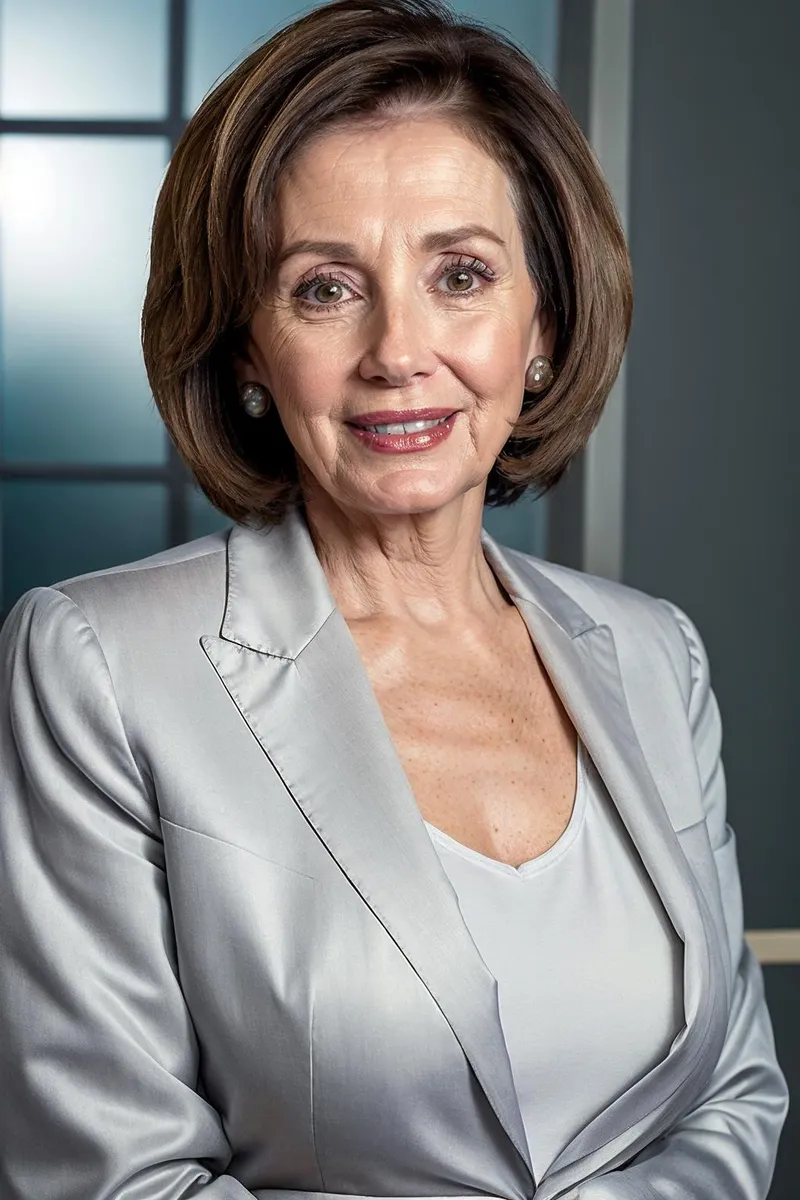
[(533, 866)]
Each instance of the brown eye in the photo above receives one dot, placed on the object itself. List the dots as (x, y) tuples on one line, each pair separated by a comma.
[(460, 281), (465, 276), (328, 293), (324, 291)]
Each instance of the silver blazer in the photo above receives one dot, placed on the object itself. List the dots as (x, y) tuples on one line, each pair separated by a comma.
[(231, 963)]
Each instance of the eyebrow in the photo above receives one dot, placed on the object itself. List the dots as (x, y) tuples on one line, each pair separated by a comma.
[(439, 240)]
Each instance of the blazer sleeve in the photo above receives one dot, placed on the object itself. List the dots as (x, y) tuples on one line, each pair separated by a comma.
[(726, 1146), (98, 1056)]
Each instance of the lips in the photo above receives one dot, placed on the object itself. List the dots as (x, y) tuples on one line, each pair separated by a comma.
[(405, 437), (399, 416)]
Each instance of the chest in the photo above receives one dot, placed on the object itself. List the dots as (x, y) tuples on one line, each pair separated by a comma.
[(327, 969), (585, 955), (486, 744)]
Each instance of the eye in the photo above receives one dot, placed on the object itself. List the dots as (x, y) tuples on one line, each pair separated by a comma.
[(458, 276), (327, 291), (323, 291)]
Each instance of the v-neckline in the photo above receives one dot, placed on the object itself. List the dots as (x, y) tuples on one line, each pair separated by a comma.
[(532, 866)]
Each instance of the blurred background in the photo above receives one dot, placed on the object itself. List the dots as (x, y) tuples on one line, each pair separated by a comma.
[(690, 487)]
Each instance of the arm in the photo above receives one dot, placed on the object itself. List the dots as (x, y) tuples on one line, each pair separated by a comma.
[(98, 1056), (726, 1147)]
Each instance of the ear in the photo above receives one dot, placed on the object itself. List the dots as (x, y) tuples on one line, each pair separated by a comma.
[(243, 370), (543, 332), (247, 364)]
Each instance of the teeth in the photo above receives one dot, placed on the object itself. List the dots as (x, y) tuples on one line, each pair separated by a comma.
[(404, 427)]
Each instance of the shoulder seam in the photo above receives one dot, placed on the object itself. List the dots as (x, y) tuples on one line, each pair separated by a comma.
[(132, 568), (96, 637), (682, 622)]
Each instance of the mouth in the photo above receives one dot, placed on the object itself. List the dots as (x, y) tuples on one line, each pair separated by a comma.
[(406, 421), (403, 432)]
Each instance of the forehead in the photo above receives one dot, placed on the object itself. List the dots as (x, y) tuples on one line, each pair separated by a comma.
[(408, 171)]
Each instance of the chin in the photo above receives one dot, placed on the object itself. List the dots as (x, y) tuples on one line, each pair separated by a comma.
[(411, 501)]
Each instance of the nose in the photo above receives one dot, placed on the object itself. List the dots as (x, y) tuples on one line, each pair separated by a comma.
[(398, 349)]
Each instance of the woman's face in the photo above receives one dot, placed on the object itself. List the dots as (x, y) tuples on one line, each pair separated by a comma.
[(400, 286)]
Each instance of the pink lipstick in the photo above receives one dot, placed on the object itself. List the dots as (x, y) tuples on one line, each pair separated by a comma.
[(403, 431)]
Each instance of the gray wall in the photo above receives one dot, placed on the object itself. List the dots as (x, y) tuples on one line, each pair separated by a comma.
[(713, 413)]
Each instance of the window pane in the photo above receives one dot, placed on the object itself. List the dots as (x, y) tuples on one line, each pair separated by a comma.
[(203, 517), (53, 530), (83, 58), (220, 34), (73, 252)]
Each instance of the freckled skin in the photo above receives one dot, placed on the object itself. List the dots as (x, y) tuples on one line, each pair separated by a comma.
[(486, 744)]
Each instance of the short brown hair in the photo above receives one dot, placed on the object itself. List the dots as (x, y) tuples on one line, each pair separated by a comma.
[(213, 243)]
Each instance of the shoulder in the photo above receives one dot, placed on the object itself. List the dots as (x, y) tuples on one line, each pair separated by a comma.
[(59, 709), (182, 588), (664, 672), (650, 632), (178, 569), (128, 617)]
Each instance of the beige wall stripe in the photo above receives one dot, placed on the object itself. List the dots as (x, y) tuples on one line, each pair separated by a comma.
[(775, 945)]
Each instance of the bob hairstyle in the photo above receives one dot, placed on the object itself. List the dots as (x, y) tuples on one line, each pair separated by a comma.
[(213, 241)]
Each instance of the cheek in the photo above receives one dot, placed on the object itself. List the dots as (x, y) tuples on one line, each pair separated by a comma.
[(488, 354), (307, 376)]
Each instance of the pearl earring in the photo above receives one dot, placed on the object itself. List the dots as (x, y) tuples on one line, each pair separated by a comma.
[(540, 374), (255, 399)]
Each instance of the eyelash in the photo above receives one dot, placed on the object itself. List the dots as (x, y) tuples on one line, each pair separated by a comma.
[(461, 263)]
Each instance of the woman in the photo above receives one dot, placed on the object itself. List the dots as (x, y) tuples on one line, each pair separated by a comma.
[(350, 851)]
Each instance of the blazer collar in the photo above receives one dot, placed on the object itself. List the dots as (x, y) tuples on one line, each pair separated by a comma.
[(306, 697)]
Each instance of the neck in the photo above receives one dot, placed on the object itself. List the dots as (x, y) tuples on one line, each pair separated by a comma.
[(427, 568)]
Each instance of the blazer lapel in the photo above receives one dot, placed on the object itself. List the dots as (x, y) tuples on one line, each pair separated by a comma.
[(289, 662), (287, 658), (580, 657)]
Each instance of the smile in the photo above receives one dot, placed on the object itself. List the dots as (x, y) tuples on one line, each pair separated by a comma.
[(404, 437), (404, 426)]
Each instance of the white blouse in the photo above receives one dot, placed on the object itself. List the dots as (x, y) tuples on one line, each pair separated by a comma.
[(588, 965)]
